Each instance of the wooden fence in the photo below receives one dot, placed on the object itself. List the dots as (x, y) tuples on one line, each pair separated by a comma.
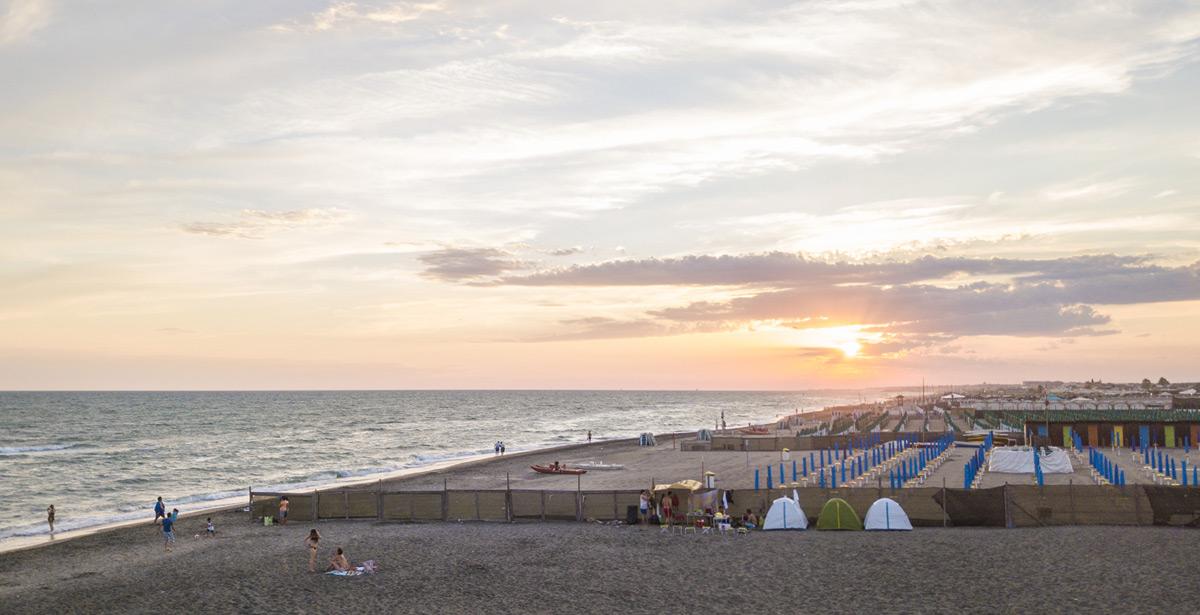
[(1008, 506)]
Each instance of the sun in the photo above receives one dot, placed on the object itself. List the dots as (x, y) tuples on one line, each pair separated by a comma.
[(846, 339), (850, 349)]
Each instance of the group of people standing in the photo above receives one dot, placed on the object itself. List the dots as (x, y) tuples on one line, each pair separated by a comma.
[(668, 506)]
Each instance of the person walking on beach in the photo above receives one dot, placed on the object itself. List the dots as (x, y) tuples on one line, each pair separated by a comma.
[(174, 514), (50, 517), (283, 509), (210, 530), (314, 537), (160, 510), (589, 435), (502, 447), (497, 447), (168, 529)]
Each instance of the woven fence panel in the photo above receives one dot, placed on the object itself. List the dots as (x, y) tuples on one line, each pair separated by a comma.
[(492, 506), (263, 506), (397, 506), (1174, 505), (300, 508), (560, 505), (527, 504), (975, 506), (362, 504), (599, 505), (426, 506), (461, 506)]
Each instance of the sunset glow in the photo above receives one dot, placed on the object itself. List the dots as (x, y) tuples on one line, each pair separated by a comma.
[(679, 195)]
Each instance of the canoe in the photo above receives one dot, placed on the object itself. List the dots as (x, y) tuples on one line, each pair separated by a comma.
[(561, 470)]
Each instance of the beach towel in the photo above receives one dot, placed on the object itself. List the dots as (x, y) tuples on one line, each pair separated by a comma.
[(367, 567)]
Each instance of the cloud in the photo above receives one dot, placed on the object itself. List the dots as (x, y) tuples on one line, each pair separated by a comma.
[(1089, 190), (900, 305), (256, 223), (469, 264), (346, 14), (789, 269), (23, 18), (565, 251)]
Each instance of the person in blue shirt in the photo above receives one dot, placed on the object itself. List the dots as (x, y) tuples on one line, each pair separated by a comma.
[(160, 510), (168, 527)]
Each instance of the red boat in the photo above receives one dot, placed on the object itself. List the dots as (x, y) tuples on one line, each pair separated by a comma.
[(558, 470)]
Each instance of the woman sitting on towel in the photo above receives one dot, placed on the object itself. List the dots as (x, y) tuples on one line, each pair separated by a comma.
[(339, 561)]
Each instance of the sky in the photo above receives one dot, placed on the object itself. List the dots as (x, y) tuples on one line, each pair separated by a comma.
[(627, 195)]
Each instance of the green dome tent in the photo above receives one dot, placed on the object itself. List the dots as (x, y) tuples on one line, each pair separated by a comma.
[(837, 515)]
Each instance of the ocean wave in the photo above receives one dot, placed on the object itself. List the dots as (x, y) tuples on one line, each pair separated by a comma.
[(126, 512), (39, 448), (361, 472)]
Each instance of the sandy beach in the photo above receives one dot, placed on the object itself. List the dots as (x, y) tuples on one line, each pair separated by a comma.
[(591, 568)]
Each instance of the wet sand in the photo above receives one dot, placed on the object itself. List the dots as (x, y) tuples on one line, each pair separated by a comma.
[(642, 466), (592, 568)]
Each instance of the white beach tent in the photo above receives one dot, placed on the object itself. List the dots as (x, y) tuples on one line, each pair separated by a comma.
[(886, 514), (785, 514)]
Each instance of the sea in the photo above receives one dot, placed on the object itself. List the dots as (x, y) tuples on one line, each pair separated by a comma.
[(103, 457)]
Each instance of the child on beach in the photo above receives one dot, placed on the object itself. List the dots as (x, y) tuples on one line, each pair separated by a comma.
[(160, 510), (50, 517), (168, 529), (311, 541), (283, 509), (209, 530)]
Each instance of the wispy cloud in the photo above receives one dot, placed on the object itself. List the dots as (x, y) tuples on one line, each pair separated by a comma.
[(469, 264), (22, 18), (349, 14), (1090, 190), (256, 224)]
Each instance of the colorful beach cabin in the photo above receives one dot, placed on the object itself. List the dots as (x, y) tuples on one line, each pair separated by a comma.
[(838, 515), (785, 514), (886, 514)]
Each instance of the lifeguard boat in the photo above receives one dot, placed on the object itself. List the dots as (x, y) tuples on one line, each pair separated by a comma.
[(558, 470)]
